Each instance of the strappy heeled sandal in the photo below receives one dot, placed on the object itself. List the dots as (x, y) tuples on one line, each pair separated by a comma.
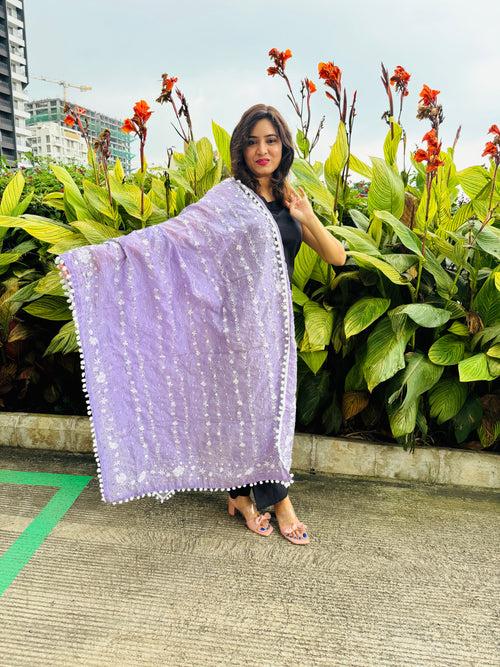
[(255, 524), (288, 534)]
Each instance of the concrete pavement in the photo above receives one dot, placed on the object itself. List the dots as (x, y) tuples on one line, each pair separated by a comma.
[(397, 573)]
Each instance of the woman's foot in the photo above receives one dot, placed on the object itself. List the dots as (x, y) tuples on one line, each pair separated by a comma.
[(288, 521), (247, 508)]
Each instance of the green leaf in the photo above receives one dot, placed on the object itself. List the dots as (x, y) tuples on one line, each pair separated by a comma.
[(408, 238), (488, 239), (459, 329), (64, 341), (474, 368), (360, 167), (487, 301), (468, 418), (357, 239), (446, 399), (205, 154), (419, 376), (386, 192), (473, 180), (318, 323), (303, 143), (359, 219), (447, 350), (223, 142), (423, 314), (385, 352), (391, 144), (71, 192), (337, 158), (12, 194), (49, 308), (314, 360), (41, 228), (118, 172), (367, 261), (96, 232), (362, 313), (494, 351), (308, 179)]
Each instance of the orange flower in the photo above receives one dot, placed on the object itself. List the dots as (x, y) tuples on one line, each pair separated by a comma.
[(280, 58), (428, 96), (128, 126), (400, 78), (169, 82), (142, 110), (490, 149), (330, 73), (494, 129), (431, 138), (311, 87), (69, 120)]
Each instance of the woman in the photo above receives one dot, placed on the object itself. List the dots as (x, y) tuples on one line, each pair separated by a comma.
[(261, 157)]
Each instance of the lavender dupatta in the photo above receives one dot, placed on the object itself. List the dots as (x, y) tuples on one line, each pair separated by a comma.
[(187, 348)]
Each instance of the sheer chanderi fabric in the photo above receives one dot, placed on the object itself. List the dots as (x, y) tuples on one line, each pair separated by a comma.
[(187, 348)]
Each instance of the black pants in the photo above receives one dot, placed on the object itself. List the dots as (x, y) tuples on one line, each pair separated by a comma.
[(265, 494)]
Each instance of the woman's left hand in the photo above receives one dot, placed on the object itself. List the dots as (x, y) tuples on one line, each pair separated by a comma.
[(299, 206)]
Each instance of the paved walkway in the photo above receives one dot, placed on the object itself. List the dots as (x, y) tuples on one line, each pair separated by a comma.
[(396, 574)]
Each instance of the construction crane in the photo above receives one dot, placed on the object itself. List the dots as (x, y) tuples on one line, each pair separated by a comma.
[(64, 84)]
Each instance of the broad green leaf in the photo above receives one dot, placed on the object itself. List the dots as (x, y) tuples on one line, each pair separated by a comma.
[(308, 179), (304, 264), (385, 353), (64, 341), (391, 143), (468, 418), (50, 284), (318, 323), (359, 219), (459, 329), (423, 314), (386, 192), (488, 239), (96, 232), (41, 228), (71, 191), (97, 198), (367, 261), (494, 351), (49, 308), (422, 211), (474, 368), (12, 194), (408, 238), (205, 154), (473, 180), (446, 399), (356, 239), (118, 172), (337, 158), (303, 143), (447, 350), (362, 313), (314, 360), (487, 301), (360, 167), (222, 141), (23, 204)]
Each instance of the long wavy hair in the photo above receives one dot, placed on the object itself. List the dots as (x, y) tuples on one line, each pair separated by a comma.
[(239, 139)]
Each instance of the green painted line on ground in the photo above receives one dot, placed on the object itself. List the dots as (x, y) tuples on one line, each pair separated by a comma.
[(34, 535)]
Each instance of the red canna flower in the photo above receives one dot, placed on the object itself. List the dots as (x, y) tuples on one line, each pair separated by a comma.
[(128, 126), (400, 78), (142, 110), (490, 149), (280, 58), (167, 87), (310, 86), (431, 138), (494, 130), (69, 120), (428, 96), (330, 73)]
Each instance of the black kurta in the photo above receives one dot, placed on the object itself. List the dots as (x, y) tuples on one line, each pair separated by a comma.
[(269, 493)]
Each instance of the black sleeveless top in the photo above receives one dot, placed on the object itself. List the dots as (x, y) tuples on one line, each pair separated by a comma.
[(290, 230)]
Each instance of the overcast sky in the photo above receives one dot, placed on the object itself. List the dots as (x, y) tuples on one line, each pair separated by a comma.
[(218, 50)]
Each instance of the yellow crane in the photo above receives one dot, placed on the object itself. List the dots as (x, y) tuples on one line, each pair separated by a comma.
[(64, 84)]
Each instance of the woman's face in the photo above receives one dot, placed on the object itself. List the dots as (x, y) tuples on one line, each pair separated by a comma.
[(263, 150)]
